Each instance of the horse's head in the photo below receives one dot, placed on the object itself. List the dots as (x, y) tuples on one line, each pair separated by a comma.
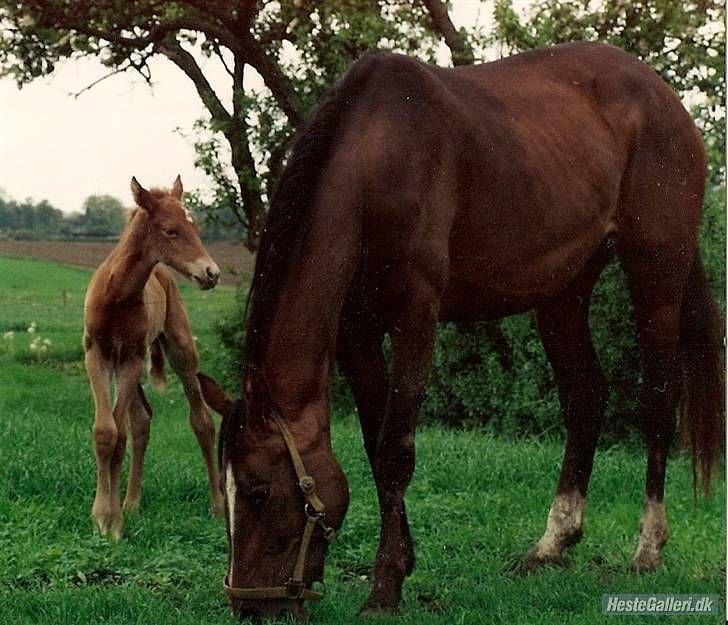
[(173, 234), (285, 495)]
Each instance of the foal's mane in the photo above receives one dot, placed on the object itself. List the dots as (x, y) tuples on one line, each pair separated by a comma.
[(291, 213)]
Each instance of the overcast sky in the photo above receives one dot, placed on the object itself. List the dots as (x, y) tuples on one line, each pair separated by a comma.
[(63, 149)]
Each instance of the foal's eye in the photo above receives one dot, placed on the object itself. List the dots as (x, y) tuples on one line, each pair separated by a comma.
[(170, 232), (258, 496)]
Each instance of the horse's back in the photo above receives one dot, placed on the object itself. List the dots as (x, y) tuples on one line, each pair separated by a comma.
[(509, 174)]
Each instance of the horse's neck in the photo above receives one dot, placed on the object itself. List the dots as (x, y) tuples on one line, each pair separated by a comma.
[(130, 263), (300, 348)]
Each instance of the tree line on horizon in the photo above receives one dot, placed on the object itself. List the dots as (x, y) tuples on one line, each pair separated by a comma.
[(101, 217)]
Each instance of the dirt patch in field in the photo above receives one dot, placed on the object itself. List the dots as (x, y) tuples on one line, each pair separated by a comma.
[(233, 258)]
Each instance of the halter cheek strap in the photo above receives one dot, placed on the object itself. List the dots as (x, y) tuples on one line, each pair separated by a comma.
[(315, 512)]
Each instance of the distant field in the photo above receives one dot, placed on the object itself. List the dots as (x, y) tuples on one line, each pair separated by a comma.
[(476, 504), (233, 258)]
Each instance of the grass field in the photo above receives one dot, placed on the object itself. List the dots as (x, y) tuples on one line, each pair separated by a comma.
[(476, 503)]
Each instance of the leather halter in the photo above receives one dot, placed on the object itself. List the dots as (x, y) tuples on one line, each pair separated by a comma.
[(315, 511)]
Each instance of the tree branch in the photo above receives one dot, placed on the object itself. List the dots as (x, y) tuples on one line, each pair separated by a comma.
[(172, 49), (92, 84), (462, 53), (274, 78)]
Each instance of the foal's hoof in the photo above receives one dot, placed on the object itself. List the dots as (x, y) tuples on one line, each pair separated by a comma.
[(131, 506), (645, 562), (109, 527), (536, 559)]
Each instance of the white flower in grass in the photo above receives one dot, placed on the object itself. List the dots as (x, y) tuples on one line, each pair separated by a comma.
[(47, 342), (32, 327), (9, 336), (34, 346)]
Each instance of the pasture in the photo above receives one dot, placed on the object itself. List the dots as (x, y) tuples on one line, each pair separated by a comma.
[(476, 504)]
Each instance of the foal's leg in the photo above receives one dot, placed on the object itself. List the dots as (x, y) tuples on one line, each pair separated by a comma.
[(127, 379), (104, 437), (564, 329), (413, 335), (182, 353), (361, 361), (140, 416)]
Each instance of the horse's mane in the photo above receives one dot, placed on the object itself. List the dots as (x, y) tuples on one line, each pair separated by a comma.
[(291, 213)]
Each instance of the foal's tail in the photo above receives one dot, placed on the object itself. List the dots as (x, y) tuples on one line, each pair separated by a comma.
[(156, 374), (702, 410)]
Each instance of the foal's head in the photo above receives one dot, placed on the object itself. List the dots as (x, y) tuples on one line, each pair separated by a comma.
[(266, 509), (173, 235)]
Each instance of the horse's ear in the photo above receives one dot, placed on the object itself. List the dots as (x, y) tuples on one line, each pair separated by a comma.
[(177, 187), (214, 396), (142, 197)]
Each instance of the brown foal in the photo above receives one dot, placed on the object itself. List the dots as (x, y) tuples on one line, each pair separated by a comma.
[(420, 194), (133, 305)]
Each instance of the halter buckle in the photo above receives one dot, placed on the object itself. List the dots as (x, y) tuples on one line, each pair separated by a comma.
[(307, 484)]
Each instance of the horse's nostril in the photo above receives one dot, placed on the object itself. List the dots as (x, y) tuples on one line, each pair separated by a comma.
[(213, 274)]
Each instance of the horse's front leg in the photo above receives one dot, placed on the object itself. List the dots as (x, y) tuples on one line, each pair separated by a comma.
[(412, 335)]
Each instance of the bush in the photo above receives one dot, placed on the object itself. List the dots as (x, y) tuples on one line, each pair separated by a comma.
[(472, 381)]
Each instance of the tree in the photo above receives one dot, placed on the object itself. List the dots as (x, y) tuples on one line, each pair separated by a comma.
[(298, 47), (103, 216)]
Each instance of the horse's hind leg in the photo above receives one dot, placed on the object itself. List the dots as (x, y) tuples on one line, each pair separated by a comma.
[(140, 416), (563, 325), (656, 286), (182, 354)]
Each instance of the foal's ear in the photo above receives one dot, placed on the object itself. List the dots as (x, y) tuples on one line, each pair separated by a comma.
[(177, 187), (142, 197), (214, 396)]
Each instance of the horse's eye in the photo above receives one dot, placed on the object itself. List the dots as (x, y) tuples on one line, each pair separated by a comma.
[(258, 496), (170, 232)]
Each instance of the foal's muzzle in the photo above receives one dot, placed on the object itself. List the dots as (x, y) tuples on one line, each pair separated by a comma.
[(206, 275)]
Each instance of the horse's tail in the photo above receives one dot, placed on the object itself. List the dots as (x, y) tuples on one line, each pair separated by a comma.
[(156, 373), (702, 410)]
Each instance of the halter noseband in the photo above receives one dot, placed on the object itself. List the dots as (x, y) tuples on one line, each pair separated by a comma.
[(315, 512)]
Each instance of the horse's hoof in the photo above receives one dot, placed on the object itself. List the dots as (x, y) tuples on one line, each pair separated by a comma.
[(378, 606), (645, 562), (535, 559)]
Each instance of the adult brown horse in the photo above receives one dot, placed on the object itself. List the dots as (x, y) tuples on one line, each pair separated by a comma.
[(418, 194), (133, 305)]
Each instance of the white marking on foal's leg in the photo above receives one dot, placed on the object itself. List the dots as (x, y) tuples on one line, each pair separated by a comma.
[(231, 491), (563, 526), (653, 536)]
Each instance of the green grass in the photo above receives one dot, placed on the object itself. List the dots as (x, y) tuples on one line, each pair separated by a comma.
[(52, 296), (476, 504)]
